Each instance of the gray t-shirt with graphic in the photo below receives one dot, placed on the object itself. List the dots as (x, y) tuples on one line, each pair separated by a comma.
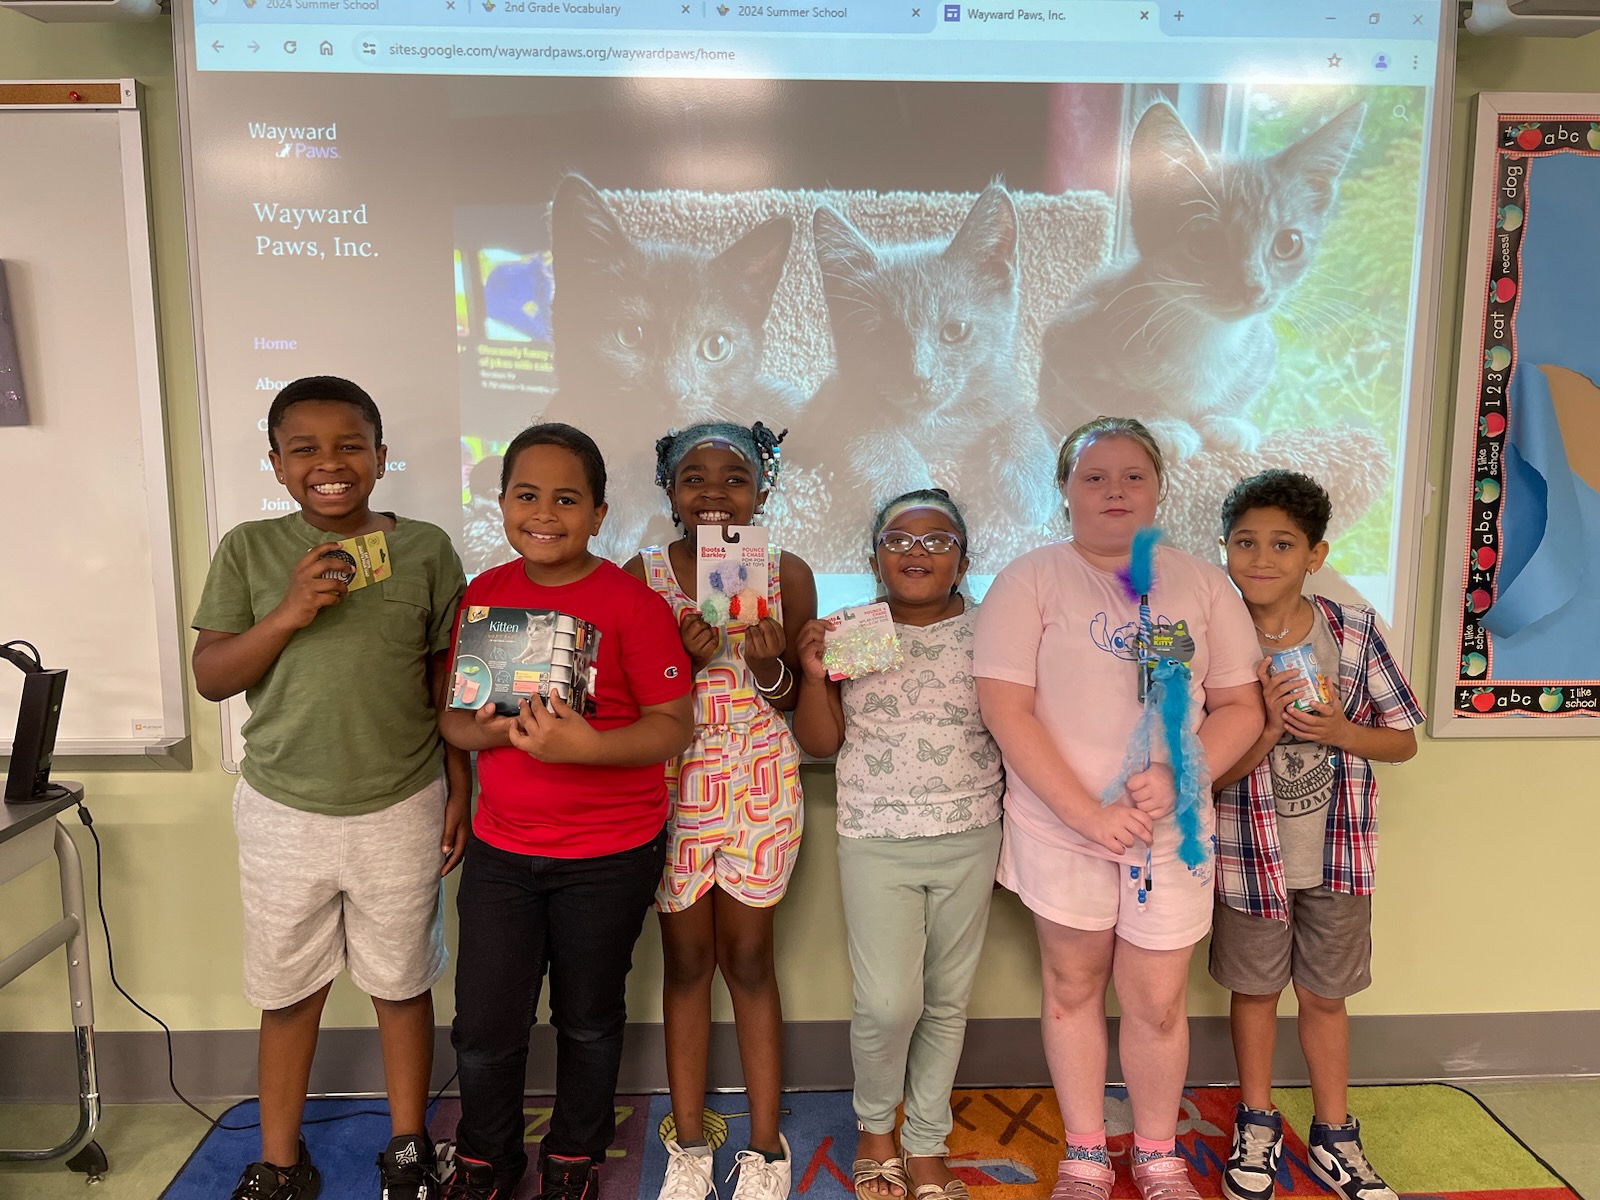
[(1302, 776)]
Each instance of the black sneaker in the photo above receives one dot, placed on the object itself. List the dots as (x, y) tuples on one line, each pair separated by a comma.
[(562, 1178), (407, 1169), (1252, 1169), (470, 1179), (1335, 1156), (263, 1181)]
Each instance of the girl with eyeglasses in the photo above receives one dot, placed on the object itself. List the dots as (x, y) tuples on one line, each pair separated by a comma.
[(919, 787)]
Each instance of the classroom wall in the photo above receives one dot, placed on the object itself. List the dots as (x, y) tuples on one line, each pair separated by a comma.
[(1486, 845)]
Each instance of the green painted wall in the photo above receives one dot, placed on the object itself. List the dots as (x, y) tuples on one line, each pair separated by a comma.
[(1483, 875)]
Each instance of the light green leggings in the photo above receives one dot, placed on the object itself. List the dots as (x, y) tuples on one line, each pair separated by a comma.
[(916, 910)]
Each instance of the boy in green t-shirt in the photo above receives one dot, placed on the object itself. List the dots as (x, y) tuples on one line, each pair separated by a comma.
[(349, 808)]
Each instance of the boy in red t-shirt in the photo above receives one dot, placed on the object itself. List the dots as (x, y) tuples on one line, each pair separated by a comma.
[(568, 841)]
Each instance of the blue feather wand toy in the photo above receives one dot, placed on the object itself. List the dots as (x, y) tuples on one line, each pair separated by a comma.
[(1164, 680)]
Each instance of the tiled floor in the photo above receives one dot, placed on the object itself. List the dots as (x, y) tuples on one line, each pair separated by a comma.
[(147, 1143)]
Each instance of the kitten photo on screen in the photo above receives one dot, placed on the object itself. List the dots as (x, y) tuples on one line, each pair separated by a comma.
[(658, 334), (1180, 335), (924, 391)]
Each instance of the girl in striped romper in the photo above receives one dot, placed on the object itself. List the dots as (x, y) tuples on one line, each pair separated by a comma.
[(736, 808)]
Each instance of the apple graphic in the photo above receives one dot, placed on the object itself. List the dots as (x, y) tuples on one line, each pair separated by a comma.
[(1594, 136), (1479, 600), (1504, 288), (1528, 137), (1492, 424), (1485, 557), (1551, 698), (1497, 358), (1487, 491), (1482, 699), (1509, 218), (1473, 665)]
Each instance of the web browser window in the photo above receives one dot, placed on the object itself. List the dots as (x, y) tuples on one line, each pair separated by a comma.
[(927, 239)]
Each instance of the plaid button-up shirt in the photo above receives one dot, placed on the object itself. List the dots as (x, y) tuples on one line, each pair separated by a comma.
[(1249, 867)]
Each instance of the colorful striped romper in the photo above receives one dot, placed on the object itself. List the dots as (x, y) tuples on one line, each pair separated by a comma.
[(735, 809)]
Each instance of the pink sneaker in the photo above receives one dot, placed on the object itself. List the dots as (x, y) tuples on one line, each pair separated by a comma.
[(1165, 1178), (1082, 1179)]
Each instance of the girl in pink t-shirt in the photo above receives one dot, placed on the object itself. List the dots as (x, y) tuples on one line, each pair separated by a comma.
[(1058, 685)]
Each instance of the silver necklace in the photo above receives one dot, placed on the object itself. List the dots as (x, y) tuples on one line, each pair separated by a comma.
[(1282, 633)]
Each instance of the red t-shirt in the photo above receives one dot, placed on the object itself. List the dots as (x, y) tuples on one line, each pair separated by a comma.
[(574, 810)]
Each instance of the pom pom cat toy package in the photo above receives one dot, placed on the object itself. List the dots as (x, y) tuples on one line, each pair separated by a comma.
[(507, 655), (860, 641), (731, 574)]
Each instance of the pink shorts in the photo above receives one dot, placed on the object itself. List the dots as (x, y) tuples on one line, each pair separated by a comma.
[(1082, 891)]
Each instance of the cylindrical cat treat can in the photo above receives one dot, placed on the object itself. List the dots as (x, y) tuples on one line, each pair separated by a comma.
[(1300, 658)]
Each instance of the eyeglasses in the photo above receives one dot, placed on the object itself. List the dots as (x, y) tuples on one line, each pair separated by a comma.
[(896, 542)]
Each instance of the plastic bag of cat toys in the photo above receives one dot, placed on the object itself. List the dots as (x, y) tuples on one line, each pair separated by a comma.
[(860, 641), (731, 573), (507, 655)]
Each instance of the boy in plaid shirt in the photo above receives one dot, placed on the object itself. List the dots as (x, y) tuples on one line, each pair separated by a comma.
[(1297, 833)]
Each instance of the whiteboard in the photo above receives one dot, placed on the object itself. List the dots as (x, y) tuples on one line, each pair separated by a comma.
[(86, 547)]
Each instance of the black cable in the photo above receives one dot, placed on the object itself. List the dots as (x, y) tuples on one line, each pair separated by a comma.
[(172, 1081), (34, 650)]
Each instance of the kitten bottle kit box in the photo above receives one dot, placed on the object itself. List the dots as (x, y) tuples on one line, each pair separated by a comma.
[(860, 641), (508, 655), (731, 574)]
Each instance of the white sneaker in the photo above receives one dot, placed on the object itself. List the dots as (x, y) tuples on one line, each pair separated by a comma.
[(689, 1176), (760, 1179)]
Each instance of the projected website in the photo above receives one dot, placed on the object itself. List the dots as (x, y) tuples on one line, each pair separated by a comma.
[(928, 239)]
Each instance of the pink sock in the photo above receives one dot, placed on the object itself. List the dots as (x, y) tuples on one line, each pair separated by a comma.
[(1144, 1149), (1090, 1147)]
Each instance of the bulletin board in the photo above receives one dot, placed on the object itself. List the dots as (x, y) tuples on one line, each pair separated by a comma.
[(1517, 653)]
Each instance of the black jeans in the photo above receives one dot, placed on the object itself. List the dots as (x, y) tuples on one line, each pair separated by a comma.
[(520, 915)]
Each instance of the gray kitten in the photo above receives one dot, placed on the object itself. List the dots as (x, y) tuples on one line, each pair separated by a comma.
[(1180, 335), (655, 335), (924, 392), (671, 332)]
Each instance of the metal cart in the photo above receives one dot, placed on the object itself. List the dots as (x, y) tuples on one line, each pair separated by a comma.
[(29, 832)]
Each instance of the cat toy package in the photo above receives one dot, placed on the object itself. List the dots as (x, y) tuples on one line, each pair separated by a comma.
[(860, 641), (359, 560), (731, 573), (507, 655)]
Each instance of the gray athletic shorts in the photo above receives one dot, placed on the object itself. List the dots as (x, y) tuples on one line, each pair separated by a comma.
[(323, 893), (1326, 947)]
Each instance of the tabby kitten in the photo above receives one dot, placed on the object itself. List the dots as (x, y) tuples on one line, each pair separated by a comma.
[(924, 392), (1180, 335)]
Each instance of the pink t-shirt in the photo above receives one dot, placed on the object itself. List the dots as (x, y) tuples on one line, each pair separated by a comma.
[(1054, 622)]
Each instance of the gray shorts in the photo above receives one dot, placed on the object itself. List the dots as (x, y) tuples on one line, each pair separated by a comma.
[(322, 893), (1326, 947)]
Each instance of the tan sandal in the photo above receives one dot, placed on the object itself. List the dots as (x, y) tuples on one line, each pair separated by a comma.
[(891, 1171), (956, 1189)]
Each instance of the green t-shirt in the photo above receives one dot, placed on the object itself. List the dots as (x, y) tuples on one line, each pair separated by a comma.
[(342, 722)]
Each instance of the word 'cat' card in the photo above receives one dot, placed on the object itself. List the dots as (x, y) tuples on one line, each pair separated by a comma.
[(507, 655), (731, 574), (362, 560), (860, 641)]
